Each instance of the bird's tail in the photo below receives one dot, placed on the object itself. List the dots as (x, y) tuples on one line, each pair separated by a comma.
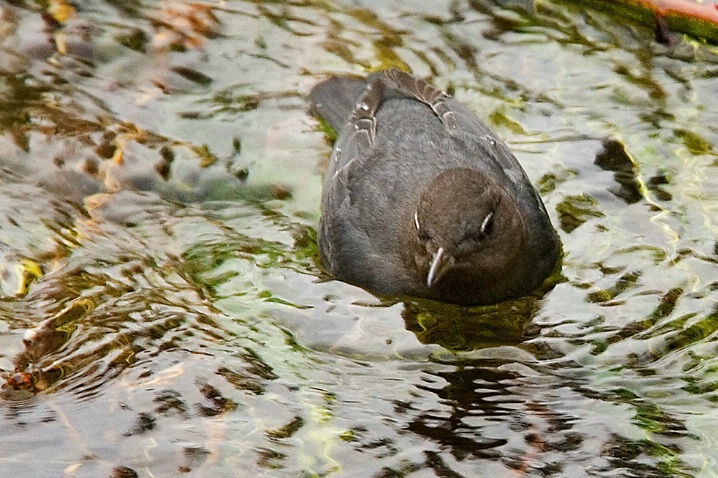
[(334, 99)]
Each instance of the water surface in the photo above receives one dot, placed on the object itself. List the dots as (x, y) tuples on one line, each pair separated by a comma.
[(162, 310)]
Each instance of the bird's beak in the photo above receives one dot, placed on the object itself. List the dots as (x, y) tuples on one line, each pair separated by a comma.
[(440, 263)]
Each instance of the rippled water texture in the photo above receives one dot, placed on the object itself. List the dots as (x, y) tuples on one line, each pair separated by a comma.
[(162, 311)]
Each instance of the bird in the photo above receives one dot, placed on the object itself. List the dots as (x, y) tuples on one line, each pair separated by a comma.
[(421, 198)]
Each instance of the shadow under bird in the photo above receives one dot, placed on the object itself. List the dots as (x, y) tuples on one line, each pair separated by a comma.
[(422, 198)]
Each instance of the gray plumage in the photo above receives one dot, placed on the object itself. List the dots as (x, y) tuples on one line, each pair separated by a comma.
[(422, 198)]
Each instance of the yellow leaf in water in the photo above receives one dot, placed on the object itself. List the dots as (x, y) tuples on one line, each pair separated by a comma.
[(117, 155), (28, 272), (60, 10), (60, 42)]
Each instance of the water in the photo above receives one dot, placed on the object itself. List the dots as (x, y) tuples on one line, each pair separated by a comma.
[(163, 312)]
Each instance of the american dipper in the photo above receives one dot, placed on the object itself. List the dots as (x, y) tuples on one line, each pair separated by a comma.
[(422, 198)]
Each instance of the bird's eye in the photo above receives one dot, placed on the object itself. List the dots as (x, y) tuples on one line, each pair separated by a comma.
[(421, 234), (487, 225)]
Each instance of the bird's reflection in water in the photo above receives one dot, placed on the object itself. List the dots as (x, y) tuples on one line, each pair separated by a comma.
[(459, 328)]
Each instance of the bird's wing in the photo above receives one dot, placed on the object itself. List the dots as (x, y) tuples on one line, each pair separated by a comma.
[(358, 135), (419, 89), (455, 116), (461, 122)]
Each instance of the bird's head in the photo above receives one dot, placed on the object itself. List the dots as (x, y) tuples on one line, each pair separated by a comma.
[(465, 228)]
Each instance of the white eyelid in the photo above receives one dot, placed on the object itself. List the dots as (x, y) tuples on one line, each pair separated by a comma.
[(416, 220), (486, 221)]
